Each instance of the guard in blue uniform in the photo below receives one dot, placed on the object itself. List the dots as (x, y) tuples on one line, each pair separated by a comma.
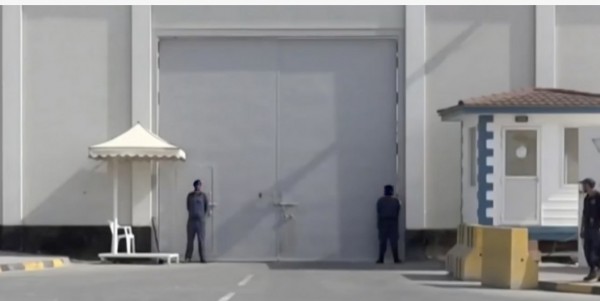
[(197, 207), (590, 228), (388, 214)]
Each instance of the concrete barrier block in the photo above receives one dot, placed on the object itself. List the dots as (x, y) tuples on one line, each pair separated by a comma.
[(469, 262), (452, 255), (463, 261), (506, 259)]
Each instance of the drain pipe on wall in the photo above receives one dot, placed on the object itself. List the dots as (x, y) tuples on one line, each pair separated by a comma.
[(155, 234), (462, 171)]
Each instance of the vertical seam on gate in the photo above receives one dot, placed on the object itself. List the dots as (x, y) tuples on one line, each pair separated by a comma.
[(156, 70), (276, 189), (462, 168), (396, 99)]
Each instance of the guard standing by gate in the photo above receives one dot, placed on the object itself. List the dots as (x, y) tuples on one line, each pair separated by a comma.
[(197, 207), (590, 227), (388, 215)]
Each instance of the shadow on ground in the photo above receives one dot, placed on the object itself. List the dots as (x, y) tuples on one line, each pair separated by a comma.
[(440, 279), (457, 285), (340, 266), (429, 276), (125, 261)]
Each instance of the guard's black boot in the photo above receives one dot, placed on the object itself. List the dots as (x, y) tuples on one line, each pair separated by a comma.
[(591, 276)]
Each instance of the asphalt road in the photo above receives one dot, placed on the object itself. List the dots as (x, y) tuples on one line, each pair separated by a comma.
[(252, 282)]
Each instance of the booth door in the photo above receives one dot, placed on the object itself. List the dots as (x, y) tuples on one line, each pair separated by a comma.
[(521, 177)]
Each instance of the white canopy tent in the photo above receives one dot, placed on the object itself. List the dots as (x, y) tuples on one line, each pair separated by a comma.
[(135, 144)]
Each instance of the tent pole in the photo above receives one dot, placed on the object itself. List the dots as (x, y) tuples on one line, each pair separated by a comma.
[(115, 176)]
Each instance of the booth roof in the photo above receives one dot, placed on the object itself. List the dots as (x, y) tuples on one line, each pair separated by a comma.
[(532, 100)]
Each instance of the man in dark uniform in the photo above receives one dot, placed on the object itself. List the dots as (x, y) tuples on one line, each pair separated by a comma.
[(197, 207), (388, 214), (590, 227)]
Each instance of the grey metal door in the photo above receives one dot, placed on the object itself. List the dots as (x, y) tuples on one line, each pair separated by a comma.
[(298, 135), (336, 145), (217, 102)]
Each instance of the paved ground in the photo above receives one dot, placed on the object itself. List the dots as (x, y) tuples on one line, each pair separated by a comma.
[(252, 282), (563, 273)]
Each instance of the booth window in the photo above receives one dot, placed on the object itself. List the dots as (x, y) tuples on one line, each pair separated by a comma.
[(521, 155), (472, 155), (571, 158)]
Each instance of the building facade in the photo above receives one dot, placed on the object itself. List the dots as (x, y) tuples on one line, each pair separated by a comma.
[(314, 103)]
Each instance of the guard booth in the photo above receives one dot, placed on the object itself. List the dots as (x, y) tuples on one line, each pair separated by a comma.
[(521, 156)]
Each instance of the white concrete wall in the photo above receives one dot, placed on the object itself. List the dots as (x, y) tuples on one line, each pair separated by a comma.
[(578, 41), (11, 115), (414, 129), (278, 17), (77, 91), (471, 51), (469, 193), (545, 46), (1, 124), (143, 188)]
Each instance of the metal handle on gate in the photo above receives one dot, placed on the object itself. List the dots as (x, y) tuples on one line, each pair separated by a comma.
[(288, 216), (211, 208), (285, 207)]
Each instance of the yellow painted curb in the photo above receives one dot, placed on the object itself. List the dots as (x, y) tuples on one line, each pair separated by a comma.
[(58, 263), (566, 287), (37, 265), (574, 288), (33, 265)]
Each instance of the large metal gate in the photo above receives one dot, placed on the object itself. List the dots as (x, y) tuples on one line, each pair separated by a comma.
[(299, 137)]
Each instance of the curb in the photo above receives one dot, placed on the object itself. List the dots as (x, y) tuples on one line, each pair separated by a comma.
[(565, 287), (34, 265)]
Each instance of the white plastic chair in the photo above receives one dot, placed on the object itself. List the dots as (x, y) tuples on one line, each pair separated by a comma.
[(127, 235)]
